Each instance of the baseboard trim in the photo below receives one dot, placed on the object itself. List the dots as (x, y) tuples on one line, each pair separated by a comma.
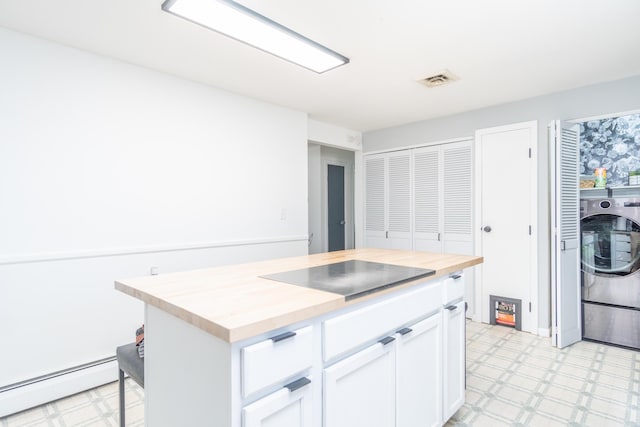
[(22, 397), (544, 332)]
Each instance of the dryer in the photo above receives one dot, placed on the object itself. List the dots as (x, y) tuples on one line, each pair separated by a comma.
[(610, 241)]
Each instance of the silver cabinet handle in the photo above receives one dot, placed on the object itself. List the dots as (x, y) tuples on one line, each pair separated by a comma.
[(386, 340), (283, 336), (298, 384), (451, 307)]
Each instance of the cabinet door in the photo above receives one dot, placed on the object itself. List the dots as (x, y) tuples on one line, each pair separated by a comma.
[(454, 358), (388, 211), (287, 407), (399, 201), (419, 374), (427, 199), (360, 390), (457, 191), (375, 202)]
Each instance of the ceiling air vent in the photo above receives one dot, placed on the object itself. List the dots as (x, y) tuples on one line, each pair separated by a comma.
[(439, 79)]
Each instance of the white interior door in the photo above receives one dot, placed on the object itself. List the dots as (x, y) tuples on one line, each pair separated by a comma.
[(565, 255), (506, 206)]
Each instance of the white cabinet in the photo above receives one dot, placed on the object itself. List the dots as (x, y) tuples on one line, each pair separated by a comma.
[(393, 360), (427, 177), (421, 199), (397, 381), (360, 390), (388, 200), (348, 331), (290, 406), (419, 374), (276, 359), (454, 360), (442, 176)]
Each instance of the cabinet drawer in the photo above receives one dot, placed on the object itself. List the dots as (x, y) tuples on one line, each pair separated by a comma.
[(453, 288), (353, 329), (276, 359), (285, 407)]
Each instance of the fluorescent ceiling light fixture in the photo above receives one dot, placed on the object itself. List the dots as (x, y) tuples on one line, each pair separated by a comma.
[(245, 25)]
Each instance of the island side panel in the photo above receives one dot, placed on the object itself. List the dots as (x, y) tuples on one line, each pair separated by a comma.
[(187, 374)]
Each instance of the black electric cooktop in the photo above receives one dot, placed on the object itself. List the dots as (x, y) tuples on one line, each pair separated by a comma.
[(353, 278)]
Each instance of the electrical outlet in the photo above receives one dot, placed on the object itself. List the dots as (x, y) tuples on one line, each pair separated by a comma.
[(154, 271)]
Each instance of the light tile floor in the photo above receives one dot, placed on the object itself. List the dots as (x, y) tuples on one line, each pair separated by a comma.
[(96, 407), (513, 378)]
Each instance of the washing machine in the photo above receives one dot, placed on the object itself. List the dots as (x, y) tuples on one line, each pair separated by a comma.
[(610, 246)]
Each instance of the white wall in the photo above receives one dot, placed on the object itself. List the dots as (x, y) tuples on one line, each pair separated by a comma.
[(334, 136), (612, 97), (330, 136), (345, 158), (320, 156), (107, 169), (315, 199)]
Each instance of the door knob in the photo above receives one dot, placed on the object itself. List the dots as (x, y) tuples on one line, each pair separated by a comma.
[(487, 228), (342, 222)]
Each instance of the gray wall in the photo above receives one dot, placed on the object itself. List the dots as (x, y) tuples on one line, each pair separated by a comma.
[(597, 100)]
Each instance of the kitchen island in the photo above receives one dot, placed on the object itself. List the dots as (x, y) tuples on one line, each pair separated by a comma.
[(227, 346)]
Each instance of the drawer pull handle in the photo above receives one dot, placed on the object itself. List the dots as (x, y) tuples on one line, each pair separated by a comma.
[(405, 331), (456, 276), (298, 384), (283, 336), (386, 340), (451, 307)]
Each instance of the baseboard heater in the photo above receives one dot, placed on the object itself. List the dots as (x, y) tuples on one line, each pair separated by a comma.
[(39, 390)]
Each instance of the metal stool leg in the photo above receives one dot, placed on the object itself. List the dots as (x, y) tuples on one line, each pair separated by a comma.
[(121, 392)]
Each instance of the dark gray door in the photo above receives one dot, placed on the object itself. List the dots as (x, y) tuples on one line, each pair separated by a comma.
[(335, 195)]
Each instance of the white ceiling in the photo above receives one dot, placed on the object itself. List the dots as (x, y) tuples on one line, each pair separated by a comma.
[(502, 50)]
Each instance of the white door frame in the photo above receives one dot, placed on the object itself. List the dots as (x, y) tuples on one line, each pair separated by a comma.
[(533, 242)]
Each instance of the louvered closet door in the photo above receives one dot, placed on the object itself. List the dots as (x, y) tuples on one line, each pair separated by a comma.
[(427, 199), (399, 200), (375, 202), (457, 197), (565, 250)]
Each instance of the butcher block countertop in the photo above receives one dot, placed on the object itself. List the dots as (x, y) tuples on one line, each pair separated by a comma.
[(233, 303)]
